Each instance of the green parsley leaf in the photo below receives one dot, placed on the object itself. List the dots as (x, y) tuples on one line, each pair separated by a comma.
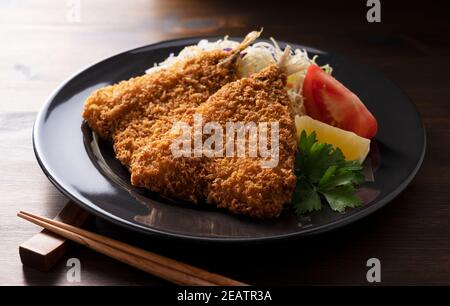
[(306, 197), (323, 175), (342, 197), (335, 177)]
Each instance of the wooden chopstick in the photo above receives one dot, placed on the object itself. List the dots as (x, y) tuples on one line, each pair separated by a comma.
[(163, 267), (43, 250)]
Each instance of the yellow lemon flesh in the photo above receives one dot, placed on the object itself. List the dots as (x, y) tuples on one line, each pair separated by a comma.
[(353, 146)]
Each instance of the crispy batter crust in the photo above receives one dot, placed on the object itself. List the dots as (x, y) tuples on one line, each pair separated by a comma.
[(136, 111), (240, 185), (137, 116)]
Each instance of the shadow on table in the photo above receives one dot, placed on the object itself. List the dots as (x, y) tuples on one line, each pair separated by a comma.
[(316, 259)]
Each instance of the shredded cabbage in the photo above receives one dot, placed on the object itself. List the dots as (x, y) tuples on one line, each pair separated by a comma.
[(191, 51), (255, 58)]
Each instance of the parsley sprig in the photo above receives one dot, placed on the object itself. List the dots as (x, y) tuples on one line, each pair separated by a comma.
[(324, 176)]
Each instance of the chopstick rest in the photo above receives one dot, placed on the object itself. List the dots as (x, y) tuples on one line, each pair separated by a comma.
[(163, 267), (43, 250)]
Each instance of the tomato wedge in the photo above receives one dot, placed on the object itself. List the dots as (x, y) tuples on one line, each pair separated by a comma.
[(327, 100)]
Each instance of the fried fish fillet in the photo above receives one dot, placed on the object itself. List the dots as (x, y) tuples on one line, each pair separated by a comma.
[(137, 116), (133, 112), (239, 184)]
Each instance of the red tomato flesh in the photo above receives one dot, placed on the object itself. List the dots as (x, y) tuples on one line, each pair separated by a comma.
[(327, 100)]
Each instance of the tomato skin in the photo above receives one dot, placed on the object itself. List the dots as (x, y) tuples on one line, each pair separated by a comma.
[(329, 101)]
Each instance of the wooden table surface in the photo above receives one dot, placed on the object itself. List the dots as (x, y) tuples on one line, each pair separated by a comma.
[(43, 43)]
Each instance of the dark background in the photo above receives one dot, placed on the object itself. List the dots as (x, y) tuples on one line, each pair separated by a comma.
[(411, 46)]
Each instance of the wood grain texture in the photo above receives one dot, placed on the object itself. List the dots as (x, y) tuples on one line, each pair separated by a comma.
[(165, 268), (411, 235), (43, 250)]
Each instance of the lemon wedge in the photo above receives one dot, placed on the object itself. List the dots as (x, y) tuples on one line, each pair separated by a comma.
[(353, 146)]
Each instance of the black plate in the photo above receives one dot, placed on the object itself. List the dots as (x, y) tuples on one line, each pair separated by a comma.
[(85, 170)]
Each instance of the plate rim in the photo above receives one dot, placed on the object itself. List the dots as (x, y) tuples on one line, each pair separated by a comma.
[(171, 235)]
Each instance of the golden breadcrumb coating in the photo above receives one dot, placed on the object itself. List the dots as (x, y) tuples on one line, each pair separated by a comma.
[(133, 112), (137, 116), (239, 184)]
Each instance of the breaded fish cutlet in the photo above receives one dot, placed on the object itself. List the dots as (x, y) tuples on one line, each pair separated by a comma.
[(239, 184), (133, 112), (137, 116)]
